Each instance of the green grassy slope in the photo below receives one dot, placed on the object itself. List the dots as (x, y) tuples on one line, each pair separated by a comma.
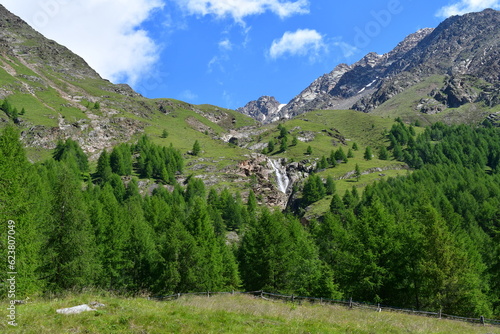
[(48, 96), (219, 314), (356, 127), (405, 104)]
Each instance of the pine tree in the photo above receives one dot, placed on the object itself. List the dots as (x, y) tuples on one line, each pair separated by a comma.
[(270, 146), (322, 164), (23, 211), (357, 172), (112, 236), (336, 205), (283, 132), (332, 159), (295, 141), (368, 153), (398, 153), (103, 171), (340, 155), (284, 144), (70, 152), (141, 252), (196, 148), (210, 268), (382, 153), (330, 185), (309, 150), (314, 190), (251, 203), (70, 255)]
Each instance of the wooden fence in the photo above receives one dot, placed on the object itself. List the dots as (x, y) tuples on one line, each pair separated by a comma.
[(324, 301)]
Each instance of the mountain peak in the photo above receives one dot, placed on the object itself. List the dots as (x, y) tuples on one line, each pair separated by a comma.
[(17, 38), (264, 109), (460, 45)]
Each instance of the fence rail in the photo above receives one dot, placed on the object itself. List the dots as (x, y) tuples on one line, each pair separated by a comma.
[(347, 303)]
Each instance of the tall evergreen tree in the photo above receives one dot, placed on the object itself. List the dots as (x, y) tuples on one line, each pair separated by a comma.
[(71, 261), (103, 171), (23, 212), (330, 185), (368, 153), (196, 148)]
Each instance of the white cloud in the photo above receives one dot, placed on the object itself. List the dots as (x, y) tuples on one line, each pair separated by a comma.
[(225, 44), (106, 34), (467, 6), (303, 42), (239, 9)]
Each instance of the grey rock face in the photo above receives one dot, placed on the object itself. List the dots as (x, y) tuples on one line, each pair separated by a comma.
[(265, 109)]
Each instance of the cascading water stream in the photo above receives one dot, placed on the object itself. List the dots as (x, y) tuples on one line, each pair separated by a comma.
[(281, 176)]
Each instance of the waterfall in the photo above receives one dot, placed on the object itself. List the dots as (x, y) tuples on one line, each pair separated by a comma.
[(281, 176)]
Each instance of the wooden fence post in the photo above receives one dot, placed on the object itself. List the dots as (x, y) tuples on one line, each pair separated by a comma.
[(178, 295), (208, 294), (440, 313), (482, 321), (261, 294), (293, 298), (350, 302)]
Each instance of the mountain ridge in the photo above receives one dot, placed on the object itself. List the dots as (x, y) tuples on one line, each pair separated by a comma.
[(454, 49)]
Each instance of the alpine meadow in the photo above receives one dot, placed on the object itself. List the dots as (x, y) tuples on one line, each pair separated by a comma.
[(377, 186)]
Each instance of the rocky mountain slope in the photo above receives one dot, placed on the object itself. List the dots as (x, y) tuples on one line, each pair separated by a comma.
[(265, 109), (64, 97), (58, 96), (462, 49)]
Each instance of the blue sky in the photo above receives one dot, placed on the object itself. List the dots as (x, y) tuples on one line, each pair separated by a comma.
[(228, 52)]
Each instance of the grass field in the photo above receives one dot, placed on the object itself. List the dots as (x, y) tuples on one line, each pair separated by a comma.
[(218, 314)]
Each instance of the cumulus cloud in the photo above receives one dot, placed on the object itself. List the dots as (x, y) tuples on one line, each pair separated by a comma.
[(106, 34), (467, 6), (225, 44), (303, 42), (239, 9)]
